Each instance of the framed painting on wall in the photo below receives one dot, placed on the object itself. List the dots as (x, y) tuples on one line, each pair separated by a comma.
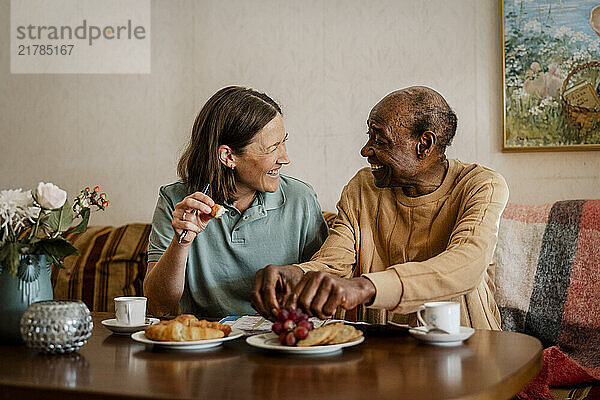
[(551, 75)]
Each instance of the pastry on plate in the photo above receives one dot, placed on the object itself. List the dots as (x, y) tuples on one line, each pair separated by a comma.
[(330, 334), (344, 334), (190, 320), (186, 327)]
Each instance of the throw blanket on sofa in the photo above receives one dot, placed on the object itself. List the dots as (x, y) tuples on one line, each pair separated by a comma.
[(548, 286)]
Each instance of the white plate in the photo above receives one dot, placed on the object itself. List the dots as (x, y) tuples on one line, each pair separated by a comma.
[(189, 345), (270, 341), (442, 339), (114, 326)]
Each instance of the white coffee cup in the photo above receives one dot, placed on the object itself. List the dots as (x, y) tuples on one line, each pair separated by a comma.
[(441, 315), (130, 311)]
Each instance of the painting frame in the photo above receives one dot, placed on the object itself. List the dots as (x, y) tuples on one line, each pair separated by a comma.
[(565, 135)]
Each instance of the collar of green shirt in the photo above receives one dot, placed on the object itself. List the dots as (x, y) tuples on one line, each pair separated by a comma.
[(274, 200), (270, 201)]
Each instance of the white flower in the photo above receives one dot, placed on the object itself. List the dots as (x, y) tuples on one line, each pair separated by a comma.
[(535, 111), (50, 196), (519, 93), (563, 30), (34, 212), (581, 55), (580, 37), (521, 50), (16, 211), (513, 81), (532, 25), (548, 102)]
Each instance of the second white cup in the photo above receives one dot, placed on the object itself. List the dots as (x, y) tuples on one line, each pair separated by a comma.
[(130, 311), (441, 315)]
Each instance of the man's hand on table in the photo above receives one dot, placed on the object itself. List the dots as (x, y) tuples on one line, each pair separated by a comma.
[(317, 293), (320, 293), (273, 285)]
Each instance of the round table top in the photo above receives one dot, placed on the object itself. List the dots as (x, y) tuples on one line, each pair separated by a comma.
[(489, 365)]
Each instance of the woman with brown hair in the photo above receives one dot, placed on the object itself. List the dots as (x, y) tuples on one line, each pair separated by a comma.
[(206, 265)]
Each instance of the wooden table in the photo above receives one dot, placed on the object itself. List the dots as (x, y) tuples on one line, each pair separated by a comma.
[(490, 365)]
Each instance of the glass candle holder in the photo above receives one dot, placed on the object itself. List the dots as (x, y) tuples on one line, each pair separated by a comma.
[(56, 326)]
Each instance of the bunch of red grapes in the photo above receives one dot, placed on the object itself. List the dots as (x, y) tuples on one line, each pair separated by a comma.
[(292, 325)]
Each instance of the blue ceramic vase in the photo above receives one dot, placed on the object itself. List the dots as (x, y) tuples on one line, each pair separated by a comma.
[(31, 284)]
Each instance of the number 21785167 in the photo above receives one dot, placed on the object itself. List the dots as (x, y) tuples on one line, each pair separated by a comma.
[(46, 50)]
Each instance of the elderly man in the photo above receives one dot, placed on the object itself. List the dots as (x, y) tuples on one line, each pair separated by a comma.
[(412, 228)]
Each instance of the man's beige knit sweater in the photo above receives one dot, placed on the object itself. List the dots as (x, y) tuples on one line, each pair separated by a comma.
[(434, 247)]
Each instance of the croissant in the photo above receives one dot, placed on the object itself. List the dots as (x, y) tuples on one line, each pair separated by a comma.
[(186, 319), (185, 328), (190, 320), (217, 211), (226, 329)]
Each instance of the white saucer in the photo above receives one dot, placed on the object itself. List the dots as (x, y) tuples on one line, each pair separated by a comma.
[(442, 339), (127, 329)]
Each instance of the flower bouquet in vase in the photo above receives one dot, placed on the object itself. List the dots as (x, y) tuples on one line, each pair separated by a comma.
[(31, 241)]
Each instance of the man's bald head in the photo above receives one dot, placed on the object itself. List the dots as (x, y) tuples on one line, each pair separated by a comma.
[(421, 109)]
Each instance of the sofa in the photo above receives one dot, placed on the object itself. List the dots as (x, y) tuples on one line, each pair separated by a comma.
[(547, 275), (111, 263)]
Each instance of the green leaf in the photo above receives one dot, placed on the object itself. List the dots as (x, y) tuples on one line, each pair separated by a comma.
[(56, 261), (82, 226), (33, 246), (9, 257), (56, 247), (61, 219)]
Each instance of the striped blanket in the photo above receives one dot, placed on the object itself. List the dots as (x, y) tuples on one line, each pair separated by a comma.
[(548, 286)]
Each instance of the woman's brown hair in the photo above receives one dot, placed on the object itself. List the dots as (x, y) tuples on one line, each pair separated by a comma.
[(232, 117)]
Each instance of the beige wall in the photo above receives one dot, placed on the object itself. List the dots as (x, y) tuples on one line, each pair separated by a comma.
[(326, 62)]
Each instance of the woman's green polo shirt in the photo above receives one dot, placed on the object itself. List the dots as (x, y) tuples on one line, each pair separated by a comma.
[(284, 227)]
